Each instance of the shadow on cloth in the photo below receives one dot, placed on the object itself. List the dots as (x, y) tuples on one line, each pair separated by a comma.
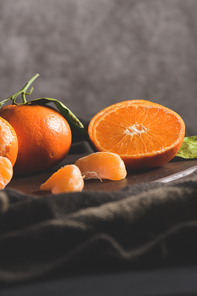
[(141, 226)]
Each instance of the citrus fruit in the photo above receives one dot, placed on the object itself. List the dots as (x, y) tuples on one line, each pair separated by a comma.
[(143, 133), (102, 165), (66, 179), (8, 141), (44, 136), (6, 171)]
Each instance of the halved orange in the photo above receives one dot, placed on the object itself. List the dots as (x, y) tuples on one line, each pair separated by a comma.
[(102, 165), (143, 133)]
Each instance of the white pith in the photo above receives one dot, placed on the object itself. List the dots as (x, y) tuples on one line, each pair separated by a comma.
[(135, 129)]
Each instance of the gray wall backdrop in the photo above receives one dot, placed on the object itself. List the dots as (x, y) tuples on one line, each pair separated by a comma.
[(92, 53)]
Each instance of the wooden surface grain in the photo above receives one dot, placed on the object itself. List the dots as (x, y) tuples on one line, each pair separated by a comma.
[(176, 169)]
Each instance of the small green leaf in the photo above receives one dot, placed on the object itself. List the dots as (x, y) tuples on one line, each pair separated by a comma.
[(64, 111), (188, 148)]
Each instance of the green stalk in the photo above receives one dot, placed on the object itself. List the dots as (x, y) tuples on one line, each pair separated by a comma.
[(64, 111), (23, 92)]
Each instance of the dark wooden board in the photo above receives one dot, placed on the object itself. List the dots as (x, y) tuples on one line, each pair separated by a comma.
[(173, 170)]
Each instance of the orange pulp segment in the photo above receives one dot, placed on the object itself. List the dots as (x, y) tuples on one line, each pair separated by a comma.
[(102, 165), (66, 179), (6, 171), (8, 141), (143, 133)]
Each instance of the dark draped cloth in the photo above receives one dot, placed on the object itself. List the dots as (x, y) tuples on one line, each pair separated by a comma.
[(144, 225)]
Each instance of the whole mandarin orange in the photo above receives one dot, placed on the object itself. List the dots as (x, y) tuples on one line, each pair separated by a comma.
[(44, 136)]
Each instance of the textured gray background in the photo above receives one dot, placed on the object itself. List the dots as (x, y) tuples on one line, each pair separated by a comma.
[(92, 53)]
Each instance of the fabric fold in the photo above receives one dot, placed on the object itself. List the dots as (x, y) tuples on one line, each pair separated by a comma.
[(147, 224)]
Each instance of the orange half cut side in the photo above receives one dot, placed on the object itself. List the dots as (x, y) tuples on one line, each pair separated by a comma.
[(143, 133)]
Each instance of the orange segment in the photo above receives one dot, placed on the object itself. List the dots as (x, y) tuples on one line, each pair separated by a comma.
[(143, 133), (6, 171), (8, 141), (66, 179), (103, 165)]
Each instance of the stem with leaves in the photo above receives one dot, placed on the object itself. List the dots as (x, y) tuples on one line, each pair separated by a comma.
[(64, 111)]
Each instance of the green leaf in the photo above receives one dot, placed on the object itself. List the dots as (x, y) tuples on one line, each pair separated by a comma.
[(188, 148), (64, 111)]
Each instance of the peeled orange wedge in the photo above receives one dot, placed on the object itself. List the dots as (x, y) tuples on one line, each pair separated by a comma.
[(102, 165), (8, 141), (144, 134), (6, 171), (66, 179)]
